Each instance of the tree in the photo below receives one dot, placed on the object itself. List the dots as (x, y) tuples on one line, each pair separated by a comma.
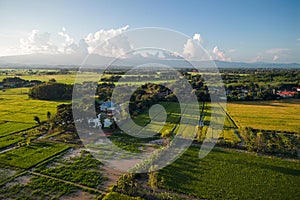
[(48, 115), (37, 119), (154, 181), (64, 117), (52, 80), (126, 184)]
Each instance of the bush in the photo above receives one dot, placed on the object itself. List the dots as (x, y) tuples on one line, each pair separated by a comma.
[(117, 196), (126, 184)]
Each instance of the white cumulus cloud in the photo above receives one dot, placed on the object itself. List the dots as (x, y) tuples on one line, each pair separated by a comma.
[(37, 42), (275, 58), (69, 46), (193, 50), (258, 58), (108, 42), (198, 37), (220, 54)]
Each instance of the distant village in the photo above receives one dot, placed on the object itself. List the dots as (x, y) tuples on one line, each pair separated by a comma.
[(243, 94)]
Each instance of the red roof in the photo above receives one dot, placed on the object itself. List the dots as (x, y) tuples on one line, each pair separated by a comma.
[(286, 93)]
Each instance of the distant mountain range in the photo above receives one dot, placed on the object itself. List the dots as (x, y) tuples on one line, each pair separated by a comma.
[(58, 60)]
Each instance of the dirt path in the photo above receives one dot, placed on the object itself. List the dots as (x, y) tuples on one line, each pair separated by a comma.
[(112, 175)]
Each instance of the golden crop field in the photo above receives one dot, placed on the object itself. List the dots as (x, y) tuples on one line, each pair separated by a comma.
[(17, 110), (280, 115)]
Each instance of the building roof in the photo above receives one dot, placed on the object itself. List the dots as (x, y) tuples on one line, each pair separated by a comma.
[(108, 104)]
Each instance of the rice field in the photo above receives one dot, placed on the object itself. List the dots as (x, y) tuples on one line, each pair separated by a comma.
[(7, 128), (60, 78), (17, 110), (280, 115), (226, 174), (28, 156)]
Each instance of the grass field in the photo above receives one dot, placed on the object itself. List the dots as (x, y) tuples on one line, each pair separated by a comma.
[(17, 110), (28, 156), (36, 187), (228, 123), (173, 118), (231, 175), (9, 140), (281, 115), (61, 78), (83, 169), (12, 127)]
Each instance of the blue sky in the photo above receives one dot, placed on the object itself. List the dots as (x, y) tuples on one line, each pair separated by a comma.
[(253, 30)]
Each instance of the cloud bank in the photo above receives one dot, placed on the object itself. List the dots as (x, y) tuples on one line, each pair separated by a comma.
[(110, 43), (97, 43)]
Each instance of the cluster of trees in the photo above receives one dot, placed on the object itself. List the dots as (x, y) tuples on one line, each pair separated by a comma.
[(111, 78), (14, 82), (51, 91), (147, 95), (270, 141), (198, 84), (104, 91), (64, 118)]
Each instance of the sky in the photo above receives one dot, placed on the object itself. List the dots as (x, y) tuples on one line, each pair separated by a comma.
[(230, 30)]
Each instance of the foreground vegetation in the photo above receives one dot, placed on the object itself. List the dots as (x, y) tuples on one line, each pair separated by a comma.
[(36, 187), (84, 170), (232, 175), (28, 156), (264, 127)]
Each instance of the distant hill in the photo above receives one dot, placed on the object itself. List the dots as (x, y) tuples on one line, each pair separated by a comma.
[(54, 60)]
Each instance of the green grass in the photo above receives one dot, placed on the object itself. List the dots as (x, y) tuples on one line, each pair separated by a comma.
[(232, 175), (17, 107), (28, 156), (128, 142), (9, 140), (230, 137), (37, 188), (280, 115), (7, 128), (84, 170), (173, 111), (61, 78)]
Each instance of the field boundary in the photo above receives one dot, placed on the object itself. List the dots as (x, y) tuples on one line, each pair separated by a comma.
[(229, 117)]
